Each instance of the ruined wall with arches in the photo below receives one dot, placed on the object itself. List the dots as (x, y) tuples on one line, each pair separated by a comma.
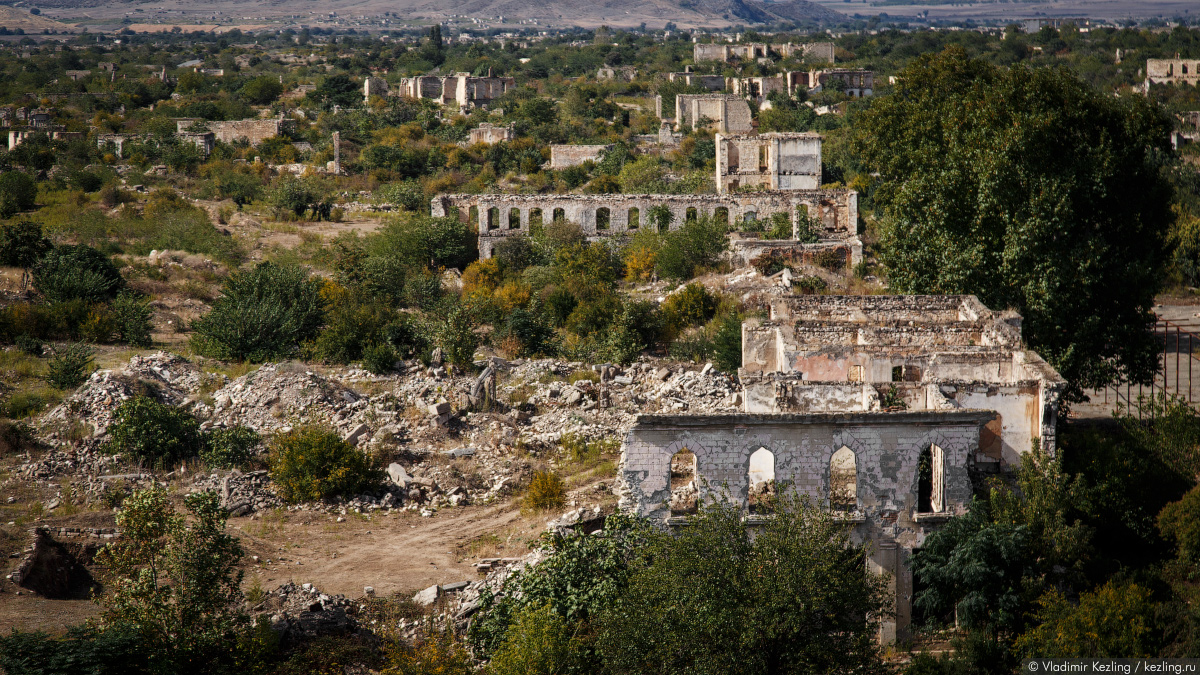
[(865, 468), (497, 216)]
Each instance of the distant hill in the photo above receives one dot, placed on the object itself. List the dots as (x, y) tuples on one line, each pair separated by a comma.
[(13, 19), (630, 12)]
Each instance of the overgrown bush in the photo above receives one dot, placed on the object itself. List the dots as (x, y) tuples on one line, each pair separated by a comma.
[(353, 321), (82, 650), (408, 195), (313, 463), (379, 359), (76, 272), (264, 313), (538, 643), (70, 366), (693, 306), (18, 192), (1180, 522), (454, 332), (546, 491), (232, 447), (727, 343), (154, 432), (698, 243), (131, 319), (27, 344)]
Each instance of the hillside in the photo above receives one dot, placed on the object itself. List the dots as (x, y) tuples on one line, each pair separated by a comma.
[(13, 19)]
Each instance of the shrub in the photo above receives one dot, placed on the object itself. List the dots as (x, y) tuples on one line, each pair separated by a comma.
[(455, 334), (809, 284), (18, 192), (528, 333), (131, 319), (427, 242), (1180, 522), (693, 306), (439, 653), (238, 186), (69, 366), (538, 643), (352, 323), (30, 345), (406, 337), (727, 343), (230, 447), (1113, 621), (83, 650), (699, 243), (76, 273), (154, 432), (407, 195), (112, 196), (15, 437), (546, 491), (23, 245), (262, 90), (641, 255), (264, 313), (380, 358), (22, 404), (312, 463)]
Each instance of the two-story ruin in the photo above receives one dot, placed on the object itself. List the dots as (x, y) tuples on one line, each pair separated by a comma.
[(877, 408), (461, 89), (1172, 71), (776, 161)]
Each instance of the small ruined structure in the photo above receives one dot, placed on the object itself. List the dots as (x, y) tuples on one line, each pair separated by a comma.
[(563, 156), (622, 73), (462, 89), (709, 82), (759, 88), (498, 216), (490, 133), (252, 131), (877, 408), (203, 140), (777, 161), (726, 113), (817, 51), (858, 83), (1172, 71)]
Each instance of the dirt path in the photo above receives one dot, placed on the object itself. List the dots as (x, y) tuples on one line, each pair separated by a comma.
[(398, 553)]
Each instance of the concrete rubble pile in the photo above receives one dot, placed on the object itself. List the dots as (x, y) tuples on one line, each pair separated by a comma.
[(300, 612)]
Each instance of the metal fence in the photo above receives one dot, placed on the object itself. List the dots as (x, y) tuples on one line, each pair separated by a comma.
[(1178, 371)]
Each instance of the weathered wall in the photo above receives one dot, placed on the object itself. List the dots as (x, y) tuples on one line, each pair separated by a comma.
[(563, 156), (254, 131), (1160, 71), (489, 134), (858, 83), (778, 161), (886, 446), (728, 113), (514, 214)]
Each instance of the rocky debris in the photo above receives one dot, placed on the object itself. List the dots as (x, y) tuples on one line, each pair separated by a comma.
[(428, 596), (583, 518), (241, 493), (302, 612), (169, 378)]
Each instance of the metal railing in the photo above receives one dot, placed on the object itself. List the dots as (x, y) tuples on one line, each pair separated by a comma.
[(1178, 372)]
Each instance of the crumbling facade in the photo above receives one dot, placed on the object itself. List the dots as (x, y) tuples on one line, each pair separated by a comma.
[(252, 131), (488, 133), (563, 156), (1173, 71), (759, 88), (777, 161), (944, 352), (726, 113), (855, 82), (744, 51), (498, 216), (823, 421), (461, 89), (621, 73), (709, 82)]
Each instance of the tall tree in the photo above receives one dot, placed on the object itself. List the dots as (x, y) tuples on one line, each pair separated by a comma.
[(1032, 190)]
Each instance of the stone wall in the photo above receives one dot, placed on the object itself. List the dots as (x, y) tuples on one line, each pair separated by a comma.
[(859, 83), (504, 215), (887, 448), (462, 89), (820, 51), (254, 131), (563, 156), (490, 133), (726, 113), (1163, 71), (777, 161)]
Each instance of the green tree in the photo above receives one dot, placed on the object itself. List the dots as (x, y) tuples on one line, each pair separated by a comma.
[(154, 432), (76, 272), (23, 245), (1113, 621), (727, 343), (715, 598), (538, 643), (1032, 190), (18, 192), (131, 316), (176, 579), (263, 313), (262, 90), (698, 243)]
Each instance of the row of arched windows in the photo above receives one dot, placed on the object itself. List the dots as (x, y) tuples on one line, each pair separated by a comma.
[(843, 481)]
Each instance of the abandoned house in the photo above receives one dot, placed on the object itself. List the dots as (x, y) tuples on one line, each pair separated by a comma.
[(877, 408), (563, 156), (749, 51), (462, 89), (1172, 71), (498, 216), (725, 113), (854, 83), (777, 161), (488, 134)]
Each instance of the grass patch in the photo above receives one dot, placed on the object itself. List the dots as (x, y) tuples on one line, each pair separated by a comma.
[(582, 375)]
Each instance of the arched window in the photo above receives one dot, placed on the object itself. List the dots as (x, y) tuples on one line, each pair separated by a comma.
[(514, 219), (931, 472), (762, 481), (762, 159), (750, 217), (560, 215), (843, 480), (684, 495), (602, 218), (535, 218), (473, 215), (493, 218), (721, 215), (690, 214), (635, 219)]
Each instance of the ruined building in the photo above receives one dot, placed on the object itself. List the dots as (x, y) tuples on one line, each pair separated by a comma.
[(777, 161), (744, 51), (878, 408), (461, 89), (498, 216), (856, 83), (1172, 71), (488, 134), (252, 131), (563, 156), (726, 113)]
